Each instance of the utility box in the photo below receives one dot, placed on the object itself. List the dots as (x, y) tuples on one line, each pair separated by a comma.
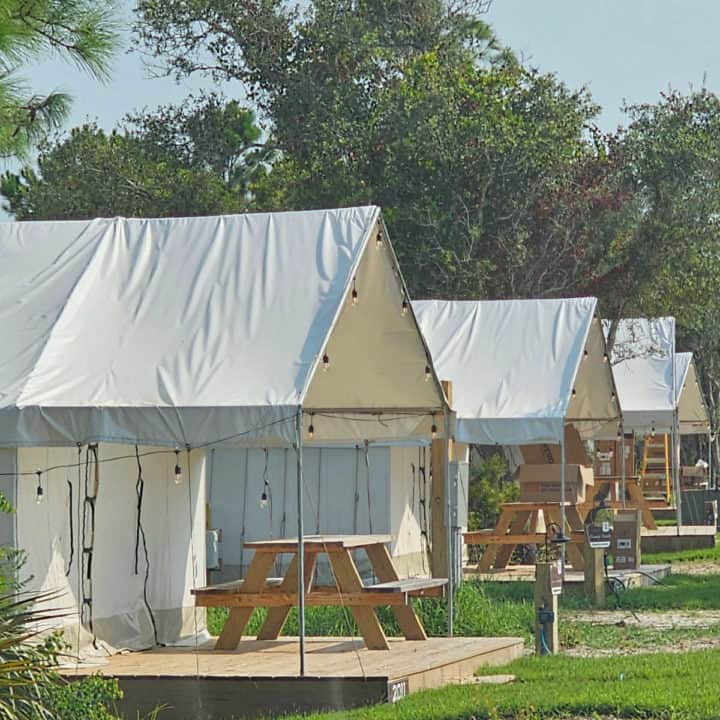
[(459, 481), (626, 539)]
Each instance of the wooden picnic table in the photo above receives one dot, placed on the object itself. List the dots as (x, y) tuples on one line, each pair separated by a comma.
[(280, 595), (518, 525)]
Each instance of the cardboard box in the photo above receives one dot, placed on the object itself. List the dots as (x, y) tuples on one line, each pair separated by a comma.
[(575, 452), (541, 483)]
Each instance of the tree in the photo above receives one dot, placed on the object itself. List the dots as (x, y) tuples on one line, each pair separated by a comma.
[(198, 159), (82, 31)]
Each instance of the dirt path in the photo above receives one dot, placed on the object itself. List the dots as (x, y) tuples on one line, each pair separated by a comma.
[(660, 620)]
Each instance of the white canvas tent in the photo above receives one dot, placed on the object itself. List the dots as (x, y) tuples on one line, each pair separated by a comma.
[(522, 369), (658, 387), (207, 332)]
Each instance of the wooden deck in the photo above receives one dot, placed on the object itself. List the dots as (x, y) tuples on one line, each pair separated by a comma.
[(261, 677), (526, 573)]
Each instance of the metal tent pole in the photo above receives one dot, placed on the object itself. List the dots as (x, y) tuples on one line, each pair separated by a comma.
[(709, 461), (301, 543), (562, 498), (622, 462)]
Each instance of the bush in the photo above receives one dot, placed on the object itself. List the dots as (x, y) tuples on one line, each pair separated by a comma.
[(490, 486)]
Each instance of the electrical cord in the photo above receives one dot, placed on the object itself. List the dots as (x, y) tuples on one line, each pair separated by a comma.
[(140, 536)]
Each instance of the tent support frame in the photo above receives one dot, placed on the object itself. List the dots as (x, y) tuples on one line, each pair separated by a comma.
[(301, 542)]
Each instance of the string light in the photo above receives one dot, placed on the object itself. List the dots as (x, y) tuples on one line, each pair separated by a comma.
[(428, 373), (326, 362), (433, 429), (178, 469), (266, 484), (574, 392), (404, 309), (39, 493), (311, 428), (354, 294), (378, 240), (585, 353)]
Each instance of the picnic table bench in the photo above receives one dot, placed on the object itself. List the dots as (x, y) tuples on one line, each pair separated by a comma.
[(279, 595)]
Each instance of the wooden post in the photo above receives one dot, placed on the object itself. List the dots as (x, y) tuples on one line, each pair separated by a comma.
[(441, 451), (595, 575), (547, 640)]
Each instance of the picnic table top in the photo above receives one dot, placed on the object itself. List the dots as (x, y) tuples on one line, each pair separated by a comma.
[(318, 543)]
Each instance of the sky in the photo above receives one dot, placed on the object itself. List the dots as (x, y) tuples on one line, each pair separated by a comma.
[(622, 50)]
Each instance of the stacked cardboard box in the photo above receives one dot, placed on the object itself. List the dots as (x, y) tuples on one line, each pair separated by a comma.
[(541, 483)]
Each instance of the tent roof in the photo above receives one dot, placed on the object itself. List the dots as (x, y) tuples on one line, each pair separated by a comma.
[(519, 367), (643, 366), (189, 330)]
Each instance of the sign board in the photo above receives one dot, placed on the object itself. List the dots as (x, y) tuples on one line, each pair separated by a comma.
[(556, 578), (599, 536), (398, 689)]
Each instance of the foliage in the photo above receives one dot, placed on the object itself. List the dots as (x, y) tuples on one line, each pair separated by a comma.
[(198, 159), (490, 486), (92, 698), (81, 31)]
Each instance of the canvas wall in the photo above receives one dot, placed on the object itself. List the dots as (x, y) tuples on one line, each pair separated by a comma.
[(172, 515), (343, 494)]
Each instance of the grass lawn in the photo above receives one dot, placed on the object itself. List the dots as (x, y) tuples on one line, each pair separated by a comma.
[(677, 687), (703, 554), (497, 609)]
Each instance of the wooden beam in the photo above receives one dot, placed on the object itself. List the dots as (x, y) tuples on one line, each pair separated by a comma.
[(237, 620), (521, 539)]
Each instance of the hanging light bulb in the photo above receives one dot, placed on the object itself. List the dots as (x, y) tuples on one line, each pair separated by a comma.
[(39, 492), (433, 429), (652, 431), (311, 428), (585, 353), (605, 357), (574, 392), (178, 469), (619, 433), (378, 240), (326, 362), (264, 499), (428, 373), (404, 308), (612, 394), (354, 294)]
